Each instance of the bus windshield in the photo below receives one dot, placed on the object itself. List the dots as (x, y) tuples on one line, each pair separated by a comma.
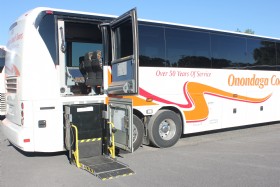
[(2, 58)]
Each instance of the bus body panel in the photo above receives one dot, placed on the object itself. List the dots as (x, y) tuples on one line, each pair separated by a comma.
[(223, 111), (204, 98), (33, 99), (48, 126)]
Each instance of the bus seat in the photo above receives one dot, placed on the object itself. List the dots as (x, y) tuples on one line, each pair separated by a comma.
[(81, 66), (91, 69)]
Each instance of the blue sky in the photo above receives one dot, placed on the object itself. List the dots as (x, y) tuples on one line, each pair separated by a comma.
[(258, 15)]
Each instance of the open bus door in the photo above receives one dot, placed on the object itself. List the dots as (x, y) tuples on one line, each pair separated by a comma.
[(124, 71), (86, 151)]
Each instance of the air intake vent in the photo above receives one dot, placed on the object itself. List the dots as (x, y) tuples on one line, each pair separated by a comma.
[(11, 84), (2, 102)]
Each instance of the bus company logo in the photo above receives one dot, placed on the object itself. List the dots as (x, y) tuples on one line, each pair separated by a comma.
[(260, 82), (12, 70), (15, 38)]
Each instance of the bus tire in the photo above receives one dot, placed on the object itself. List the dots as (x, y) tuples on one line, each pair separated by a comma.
[(137, 132), (165, 128), (2, 117)]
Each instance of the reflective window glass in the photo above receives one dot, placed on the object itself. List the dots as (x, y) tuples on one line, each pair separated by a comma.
[(261, 54), (151, 46), (47, 32), (187, 48), (228, 51)]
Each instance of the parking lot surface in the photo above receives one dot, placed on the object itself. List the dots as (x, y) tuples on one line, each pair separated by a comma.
[(243, 157)]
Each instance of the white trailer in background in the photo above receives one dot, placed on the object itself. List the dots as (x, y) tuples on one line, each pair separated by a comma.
[(2, 82)]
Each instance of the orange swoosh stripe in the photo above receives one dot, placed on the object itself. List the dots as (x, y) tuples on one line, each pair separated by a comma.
[(196, 93)]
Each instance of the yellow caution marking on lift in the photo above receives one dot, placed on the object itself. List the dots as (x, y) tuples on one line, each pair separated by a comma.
[(89, 140), (124, 175), (88, 169)]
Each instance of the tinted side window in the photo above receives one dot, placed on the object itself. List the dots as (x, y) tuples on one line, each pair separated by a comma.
[(228, 51), (278, 56), (47, 32), (261, 54), (151, 46), (2, 59), (187, 48)]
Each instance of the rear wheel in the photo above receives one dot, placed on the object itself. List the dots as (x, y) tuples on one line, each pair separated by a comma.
[(165, 128), (137, 132)]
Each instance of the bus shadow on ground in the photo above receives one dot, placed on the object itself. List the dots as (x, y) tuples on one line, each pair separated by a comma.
[(228, 129), (38, 154)]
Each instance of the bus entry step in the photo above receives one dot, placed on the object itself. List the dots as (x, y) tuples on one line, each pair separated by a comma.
[(105, 168)]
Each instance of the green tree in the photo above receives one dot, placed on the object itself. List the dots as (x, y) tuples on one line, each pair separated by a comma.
[(247, 31)]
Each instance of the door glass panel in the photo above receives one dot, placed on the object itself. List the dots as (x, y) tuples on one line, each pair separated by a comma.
[(124, 34), (124, 40)]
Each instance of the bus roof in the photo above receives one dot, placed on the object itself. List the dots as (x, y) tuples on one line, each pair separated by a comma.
[(38, 10)]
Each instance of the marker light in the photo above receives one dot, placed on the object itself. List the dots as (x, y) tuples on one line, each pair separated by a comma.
[(149, 111), (149, 99), (26, 140), (49, 12)]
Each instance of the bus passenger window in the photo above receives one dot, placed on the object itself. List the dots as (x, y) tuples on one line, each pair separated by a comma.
[(261, 54), (47, 32), (151, 46), (278, 55), (228, 52), (185, 48)]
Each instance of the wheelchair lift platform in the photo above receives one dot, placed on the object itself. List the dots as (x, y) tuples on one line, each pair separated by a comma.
[(91, 146)]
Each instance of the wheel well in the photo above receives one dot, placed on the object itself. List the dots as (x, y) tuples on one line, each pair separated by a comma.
[(138, 114), (174, 109)]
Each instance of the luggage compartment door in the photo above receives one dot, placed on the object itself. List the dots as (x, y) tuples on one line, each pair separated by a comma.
[(120, 114)]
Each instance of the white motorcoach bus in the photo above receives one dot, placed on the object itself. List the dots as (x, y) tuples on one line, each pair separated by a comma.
[(2, 82), (189, 79)]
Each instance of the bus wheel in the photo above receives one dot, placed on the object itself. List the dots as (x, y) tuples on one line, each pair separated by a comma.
[(2, 117), (165, 128), (137, 132)]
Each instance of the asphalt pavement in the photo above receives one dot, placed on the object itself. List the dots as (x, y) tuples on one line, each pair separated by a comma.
[(243, 157)]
